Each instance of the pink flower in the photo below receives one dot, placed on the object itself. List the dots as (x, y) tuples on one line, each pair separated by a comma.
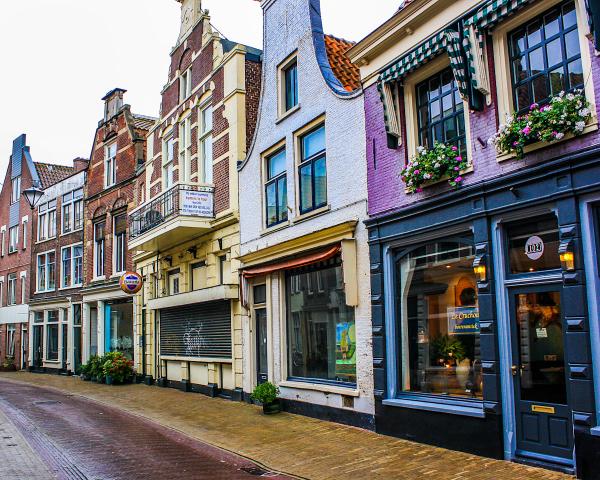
[(515, 144), (554, 133), (416, 172), (456, 169), (533, 106), (458, 159), (526, 130), (419, 190), (458, 179), (454, 149)]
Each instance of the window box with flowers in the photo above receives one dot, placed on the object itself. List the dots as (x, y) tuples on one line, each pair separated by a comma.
[(431, 166), (566, 116)]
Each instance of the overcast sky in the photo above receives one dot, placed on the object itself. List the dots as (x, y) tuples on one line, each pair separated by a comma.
[(59, 57)]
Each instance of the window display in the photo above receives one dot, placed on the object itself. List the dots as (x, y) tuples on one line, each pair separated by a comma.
[(439, 321)]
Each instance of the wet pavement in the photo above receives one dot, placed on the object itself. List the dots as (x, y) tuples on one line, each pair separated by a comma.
[(80, 439)]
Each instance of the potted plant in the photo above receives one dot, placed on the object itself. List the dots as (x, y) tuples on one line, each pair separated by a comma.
[(84, 372), (9, 364), (448, 350), (94, 366), (266, 394), (117, 368)]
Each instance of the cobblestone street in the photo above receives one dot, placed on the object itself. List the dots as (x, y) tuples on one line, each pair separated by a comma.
[(98, 431)]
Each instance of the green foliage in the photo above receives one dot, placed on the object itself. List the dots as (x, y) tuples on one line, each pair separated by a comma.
[(94, 366), (116, 365), (433, 165), (265, 393), (448, 348), (565, 114)]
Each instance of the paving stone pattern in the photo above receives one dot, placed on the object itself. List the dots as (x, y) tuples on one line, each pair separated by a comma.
[(288, 443)]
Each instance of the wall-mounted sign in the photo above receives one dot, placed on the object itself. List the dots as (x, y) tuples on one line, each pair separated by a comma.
[(196, 204), (131, 282), (534, 248), (463, 320)]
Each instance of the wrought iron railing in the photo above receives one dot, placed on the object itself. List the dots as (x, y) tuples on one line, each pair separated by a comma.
[(187, 200)]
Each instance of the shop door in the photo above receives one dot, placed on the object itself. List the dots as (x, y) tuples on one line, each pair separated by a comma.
[(543, 416), (262, 369), (38, 345), (25, 349), (65, 335)]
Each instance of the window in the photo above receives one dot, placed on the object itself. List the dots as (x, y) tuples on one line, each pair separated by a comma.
[(72, 266), (13, 239), (3, 235), (78, 209), (168, 160), (312, 171), (52, 335), (206, 143), (198, 275), (440, 113), (11, 331), (290, 74), (545, 57), (67, 216), (119, 242), (25, 222), (45, 271), (185, 85), (72, 211), (99, 249), (276, 189), (173, 282), (185, 149), (321, 329), (110, 165), (16, 189), (46, 221), (11, 294), (438, 315), (533, 245)]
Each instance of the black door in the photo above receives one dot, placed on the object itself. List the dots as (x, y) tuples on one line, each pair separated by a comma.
[(64, 345), (262, 369), (38, 345), (543, 415)]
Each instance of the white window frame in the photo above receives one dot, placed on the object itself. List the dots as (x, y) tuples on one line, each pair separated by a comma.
[(72, 264), (73, 198), (281, 87), (15, 194), (46, 271), (110, 164), (115, 245), (11, 289), (46, 228), (185, 84), (13, 239), (99, 274), (25, 223), (11, 333), (3, 233), (168, 162), (205, 129), (185, 148)]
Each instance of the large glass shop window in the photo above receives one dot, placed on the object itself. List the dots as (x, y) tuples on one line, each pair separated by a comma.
[(321, 327), (439, 321), (533, 245)]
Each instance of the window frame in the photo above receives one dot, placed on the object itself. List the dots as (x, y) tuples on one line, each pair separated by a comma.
[(110, 164), (11, 332), (47, 326), (168, 163), (72, 266), (174, 275), (11, 289), (282, 69), (185, 148), (119, 240), (302, 162), (72, 202), (99, 270), (46, 221), (185, 84), (47, 277), (13, 243), (205, 137), (276, 180), (15, 194)]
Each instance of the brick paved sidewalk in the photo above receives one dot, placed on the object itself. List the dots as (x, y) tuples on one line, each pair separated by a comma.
[(17, 460), (288, 443)]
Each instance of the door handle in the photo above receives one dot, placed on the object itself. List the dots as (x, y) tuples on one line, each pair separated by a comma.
[(514, 370)]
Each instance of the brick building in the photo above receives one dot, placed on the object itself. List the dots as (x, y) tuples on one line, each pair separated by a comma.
[(55, 316), (119, 147), (184, 230), (486, 328)]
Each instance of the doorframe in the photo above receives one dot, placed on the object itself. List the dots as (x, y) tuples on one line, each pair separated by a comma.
[(503, 315)]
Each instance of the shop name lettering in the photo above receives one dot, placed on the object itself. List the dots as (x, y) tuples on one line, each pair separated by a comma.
[(535, 248)]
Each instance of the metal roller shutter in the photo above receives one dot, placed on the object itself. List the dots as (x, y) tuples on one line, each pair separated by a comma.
[(200, 330)]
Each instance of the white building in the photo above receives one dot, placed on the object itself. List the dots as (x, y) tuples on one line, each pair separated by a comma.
[(304, 252)]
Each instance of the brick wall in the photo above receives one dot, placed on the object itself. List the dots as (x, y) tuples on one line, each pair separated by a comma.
[(253, 88)]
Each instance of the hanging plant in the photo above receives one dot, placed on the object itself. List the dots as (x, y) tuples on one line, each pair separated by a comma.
[(564, 114), (433, 165)]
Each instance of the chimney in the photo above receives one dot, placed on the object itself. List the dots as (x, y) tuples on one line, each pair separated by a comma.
[(113, 101), (80, 164)]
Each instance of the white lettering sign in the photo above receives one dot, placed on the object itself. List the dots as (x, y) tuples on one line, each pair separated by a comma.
[(534, 248), (196, 204)]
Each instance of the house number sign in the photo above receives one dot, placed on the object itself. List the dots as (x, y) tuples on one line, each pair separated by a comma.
[(534, 248)]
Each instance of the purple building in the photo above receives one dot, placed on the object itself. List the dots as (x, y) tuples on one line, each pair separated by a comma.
[(483, 157)]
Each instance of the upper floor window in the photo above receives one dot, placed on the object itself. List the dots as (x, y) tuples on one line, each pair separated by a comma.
[(276, 189), (11, 294), (441, 116), (46, 221), (99, 248), (206, 143), (290, 74), (72, 266), (199, 275), (13, 237), (185, 85), (110, 165), (16, 189), (312, 172), (45, 271), (173, 281), (545, 57), (119, 242), (185, 148), (168, 161), (72, 211)]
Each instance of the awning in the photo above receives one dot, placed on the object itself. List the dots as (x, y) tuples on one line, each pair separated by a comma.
[(289, 264), (445, 41)]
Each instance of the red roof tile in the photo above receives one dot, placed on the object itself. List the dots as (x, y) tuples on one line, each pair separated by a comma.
[(345, 71), (50, 174)]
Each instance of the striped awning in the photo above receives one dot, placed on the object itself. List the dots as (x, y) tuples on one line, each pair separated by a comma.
[(495, 11), (446, 41)]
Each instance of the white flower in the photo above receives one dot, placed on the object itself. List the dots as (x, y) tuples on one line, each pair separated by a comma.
[(584, 112), (579, 126), (569, 123), (426, 176), (420, 149), (559, 135), (570, 96), (561, 94), (491, 140), (437, 165)]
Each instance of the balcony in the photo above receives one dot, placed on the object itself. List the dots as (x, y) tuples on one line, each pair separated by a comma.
[(178, 215)]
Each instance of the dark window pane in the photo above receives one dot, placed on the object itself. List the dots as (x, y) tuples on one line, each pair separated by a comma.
[(533, 245), (423, 115), (438, 133), (447, 79), (552, 24), (320, 182), (523, 98), (554, 52), (260, 293), (540, 89), (460, 121), (271, 204), (450, 130), (534, 34), (313, 143), (519, 69), (435, 110), (575, 74), (572, 43), (306, 187), (557, 80), (423, 94), (434, 87), (569, 16), (291, 87), (536, 61), (518, 43), (424, 138), (282, 199), (458, 101)]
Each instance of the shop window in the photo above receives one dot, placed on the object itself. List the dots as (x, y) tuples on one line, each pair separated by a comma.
[(440, 112), (321, 329), (312, 171), (198, 275), (545, 57), (121, 328), (276, 189), (119, 242), (46, 271), (206, 143), (52, 328), (533, 245), (439, 321)]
